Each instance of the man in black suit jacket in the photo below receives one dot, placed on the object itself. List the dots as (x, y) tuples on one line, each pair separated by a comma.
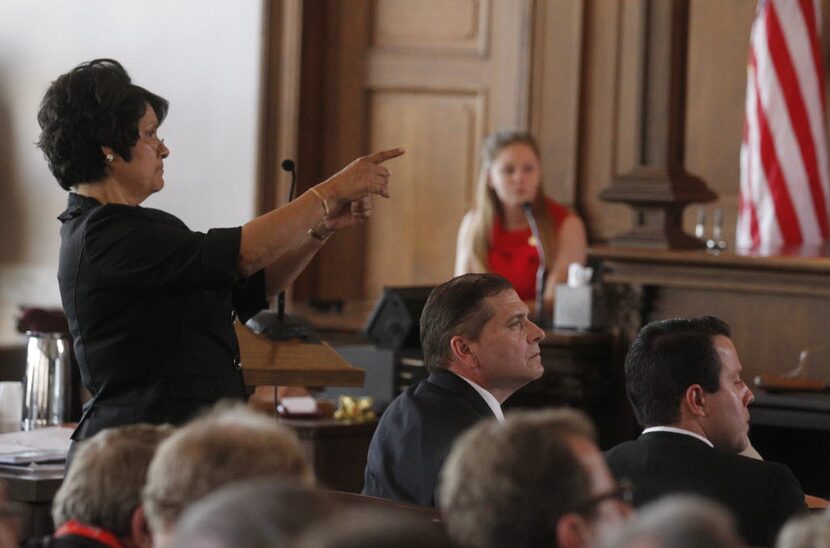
[(683, 378), (479, 346)]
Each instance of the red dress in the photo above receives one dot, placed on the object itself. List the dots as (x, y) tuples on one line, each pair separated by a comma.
[(514, 257)]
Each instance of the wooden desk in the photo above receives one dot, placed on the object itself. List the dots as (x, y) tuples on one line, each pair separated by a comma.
[(336, 450), (33, 490), (776, 306), (794, 428), (292, 363), (426, 514), (802, 410)]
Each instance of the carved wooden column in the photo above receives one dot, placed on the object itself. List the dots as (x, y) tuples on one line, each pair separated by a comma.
[(650, 134)]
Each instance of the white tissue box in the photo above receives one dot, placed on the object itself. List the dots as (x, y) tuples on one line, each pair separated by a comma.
[(577, 307)]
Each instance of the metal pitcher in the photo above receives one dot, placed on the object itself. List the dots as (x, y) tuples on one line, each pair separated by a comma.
[(47, 384)]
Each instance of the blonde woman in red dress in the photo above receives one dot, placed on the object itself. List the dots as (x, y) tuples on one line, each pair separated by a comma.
[(495, 235)]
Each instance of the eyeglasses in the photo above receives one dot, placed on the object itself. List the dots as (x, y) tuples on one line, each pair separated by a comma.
[(152, 137), (623, 492)]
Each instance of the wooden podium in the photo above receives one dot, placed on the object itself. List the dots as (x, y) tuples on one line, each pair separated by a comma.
[(292, 363)]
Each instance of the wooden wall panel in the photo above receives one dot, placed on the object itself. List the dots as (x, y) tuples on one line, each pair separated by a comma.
[(716, 82), (437, 90), (598, 115), (718, 52), (716, 85), (556, 70), (332, 130), (451, 26), (561, 67), (412, 237), (750, 315)]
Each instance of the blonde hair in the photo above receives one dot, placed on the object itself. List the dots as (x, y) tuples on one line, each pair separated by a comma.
[(117, 459), (488, 205), (228, 444)]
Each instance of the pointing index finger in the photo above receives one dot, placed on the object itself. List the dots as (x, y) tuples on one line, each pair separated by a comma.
[(383, 155)]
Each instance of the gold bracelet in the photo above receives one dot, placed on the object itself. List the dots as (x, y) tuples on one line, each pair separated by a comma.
[(323, 200), (317, 236)]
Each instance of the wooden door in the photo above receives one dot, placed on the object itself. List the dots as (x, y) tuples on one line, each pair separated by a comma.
[(440, 76), (433, 76)]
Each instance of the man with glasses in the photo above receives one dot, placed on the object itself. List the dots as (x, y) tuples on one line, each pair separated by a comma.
[(538, 479), (683, 378)]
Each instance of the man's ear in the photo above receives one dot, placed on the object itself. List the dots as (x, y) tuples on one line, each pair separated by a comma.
[(462, 352), (572, 531), (140, 534), (695, 400)]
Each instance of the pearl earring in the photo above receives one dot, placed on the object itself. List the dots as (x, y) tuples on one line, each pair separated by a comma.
[(109, 157)]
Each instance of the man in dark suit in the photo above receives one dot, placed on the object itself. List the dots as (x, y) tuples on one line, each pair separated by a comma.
[(683, 379), (479, 346)]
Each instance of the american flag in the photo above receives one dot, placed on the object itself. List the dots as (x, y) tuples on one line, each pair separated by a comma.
[(784, 170)]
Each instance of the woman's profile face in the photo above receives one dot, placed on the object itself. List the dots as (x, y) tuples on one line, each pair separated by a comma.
[(144, 173), (515, 174)]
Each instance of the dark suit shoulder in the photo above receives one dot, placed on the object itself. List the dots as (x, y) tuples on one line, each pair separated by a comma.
[(447, 390), (686, 451), (762, 495), (414, 437), (438, 411)]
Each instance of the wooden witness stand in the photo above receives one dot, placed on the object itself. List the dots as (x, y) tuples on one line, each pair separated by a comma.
[(292, 362), (336, 450)]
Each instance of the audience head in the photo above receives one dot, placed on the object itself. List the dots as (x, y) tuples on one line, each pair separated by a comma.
[(254, 514), (687, 370), (538, 479), (103, 486), (374, 528), (677, 521), (92, 106), (808, 531), (228, 444), (476, 326)]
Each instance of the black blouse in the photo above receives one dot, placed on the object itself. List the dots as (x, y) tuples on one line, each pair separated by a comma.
[(151, 306)]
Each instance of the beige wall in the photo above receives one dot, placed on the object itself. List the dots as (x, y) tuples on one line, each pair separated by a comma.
[(204, 57)]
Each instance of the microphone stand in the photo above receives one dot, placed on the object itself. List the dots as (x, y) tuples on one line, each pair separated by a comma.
[(282, 326), (289, 166), (541, 272)]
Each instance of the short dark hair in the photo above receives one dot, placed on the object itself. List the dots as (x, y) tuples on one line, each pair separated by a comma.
[(455, 308), (508, 484), (665, 359), (93, 105)]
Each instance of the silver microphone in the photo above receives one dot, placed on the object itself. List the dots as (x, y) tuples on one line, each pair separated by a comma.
[(541, 272)]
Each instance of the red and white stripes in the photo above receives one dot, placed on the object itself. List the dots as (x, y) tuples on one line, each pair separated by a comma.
[(784, 169)]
